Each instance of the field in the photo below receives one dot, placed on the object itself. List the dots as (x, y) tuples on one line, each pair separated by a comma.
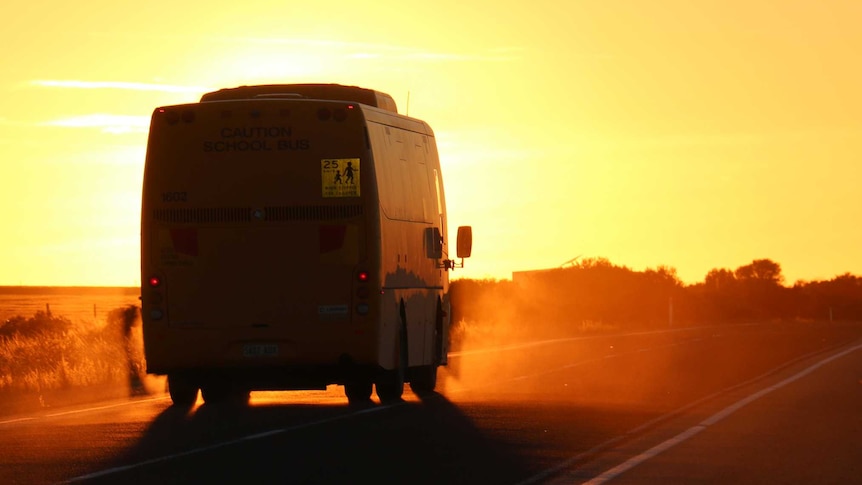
[(78, 304), (64, 345)]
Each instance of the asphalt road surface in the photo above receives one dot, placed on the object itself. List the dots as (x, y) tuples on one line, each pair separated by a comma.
[(761, 403)]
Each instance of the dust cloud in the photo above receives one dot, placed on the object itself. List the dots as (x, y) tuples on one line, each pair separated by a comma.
[(509, 340), (520, 342), (128, 321), (589, 372), (513, 343)]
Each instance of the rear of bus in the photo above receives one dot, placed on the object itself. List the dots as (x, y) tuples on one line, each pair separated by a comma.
[(257, 238)]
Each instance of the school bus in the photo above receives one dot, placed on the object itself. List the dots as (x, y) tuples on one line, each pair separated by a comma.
[(293, 237)]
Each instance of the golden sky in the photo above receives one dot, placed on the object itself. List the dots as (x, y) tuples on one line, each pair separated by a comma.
[(693, 134)]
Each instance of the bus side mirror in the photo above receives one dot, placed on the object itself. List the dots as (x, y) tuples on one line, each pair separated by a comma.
[(433, 243), (465, 241)]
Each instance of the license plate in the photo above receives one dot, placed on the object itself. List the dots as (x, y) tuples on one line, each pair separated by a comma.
[(260, 350)]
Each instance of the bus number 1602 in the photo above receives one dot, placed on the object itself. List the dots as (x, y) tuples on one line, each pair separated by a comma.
[(174, 196)]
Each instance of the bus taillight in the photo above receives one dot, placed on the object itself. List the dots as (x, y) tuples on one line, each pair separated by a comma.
[(155, 299), (362, 291)]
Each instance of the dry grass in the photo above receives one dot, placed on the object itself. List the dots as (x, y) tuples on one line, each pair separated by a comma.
[(48, 355)]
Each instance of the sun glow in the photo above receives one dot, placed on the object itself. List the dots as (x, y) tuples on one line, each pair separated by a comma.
[(695, 136)]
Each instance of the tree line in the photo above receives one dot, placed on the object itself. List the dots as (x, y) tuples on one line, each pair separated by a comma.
[(596, 292)]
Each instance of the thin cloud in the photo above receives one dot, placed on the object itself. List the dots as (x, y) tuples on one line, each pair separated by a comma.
[(740, 138), (78, 84), (449, 57), (352, 50), (366, 50), (108, 123)]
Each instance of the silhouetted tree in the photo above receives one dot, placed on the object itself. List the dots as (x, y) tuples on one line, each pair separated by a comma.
[(760, 290), (764, 270), (719, 279)]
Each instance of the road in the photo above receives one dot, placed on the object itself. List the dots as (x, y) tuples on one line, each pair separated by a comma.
[(730, 404)]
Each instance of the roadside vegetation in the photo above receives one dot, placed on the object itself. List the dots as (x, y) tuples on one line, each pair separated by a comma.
[(596, 295), (47, 359)]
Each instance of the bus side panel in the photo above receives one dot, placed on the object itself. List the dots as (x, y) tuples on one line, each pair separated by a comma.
[(405, 167), (420, 308), (442, 220)]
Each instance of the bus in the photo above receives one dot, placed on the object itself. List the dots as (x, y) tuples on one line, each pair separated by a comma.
[(294, 236)]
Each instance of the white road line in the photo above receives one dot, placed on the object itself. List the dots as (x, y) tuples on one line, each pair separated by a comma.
[(195, 451), (605, 445), (715, 418), (78, 411), (99, 408), (18, 420)]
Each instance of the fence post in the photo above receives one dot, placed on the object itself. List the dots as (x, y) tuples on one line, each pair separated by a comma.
[(670, 311)]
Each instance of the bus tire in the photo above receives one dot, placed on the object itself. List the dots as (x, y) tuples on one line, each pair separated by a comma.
[(390, 383), (390, 386), (183, 392), (423, 379), (358, 391)]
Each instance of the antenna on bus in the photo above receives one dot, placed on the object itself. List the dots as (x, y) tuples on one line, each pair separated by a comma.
[(408, 103)]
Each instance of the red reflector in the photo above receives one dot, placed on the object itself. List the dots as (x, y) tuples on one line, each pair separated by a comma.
[(155, 281), (363, 276)]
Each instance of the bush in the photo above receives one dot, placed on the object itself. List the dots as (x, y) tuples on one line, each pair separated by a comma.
[(42, 323)]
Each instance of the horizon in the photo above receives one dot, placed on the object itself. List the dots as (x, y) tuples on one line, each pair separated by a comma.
[(787, 282), (690, 135)]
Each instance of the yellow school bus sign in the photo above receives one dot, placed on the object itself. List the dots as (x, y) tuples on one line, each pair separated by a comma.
[(340, 177)]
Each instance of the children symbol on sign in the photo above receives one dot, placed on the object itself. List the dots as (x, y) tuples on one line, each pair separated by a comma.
[(348, 173), (337, 177)]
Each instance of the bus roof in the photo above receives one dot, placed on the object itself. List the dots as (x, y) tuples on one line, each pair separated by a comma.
[(336, 92)]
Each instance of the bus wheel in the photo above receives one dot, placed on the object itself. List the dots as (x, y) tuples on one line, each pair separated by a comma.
[(183, 392), (423, 379), (390, 386), (358, 391)]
